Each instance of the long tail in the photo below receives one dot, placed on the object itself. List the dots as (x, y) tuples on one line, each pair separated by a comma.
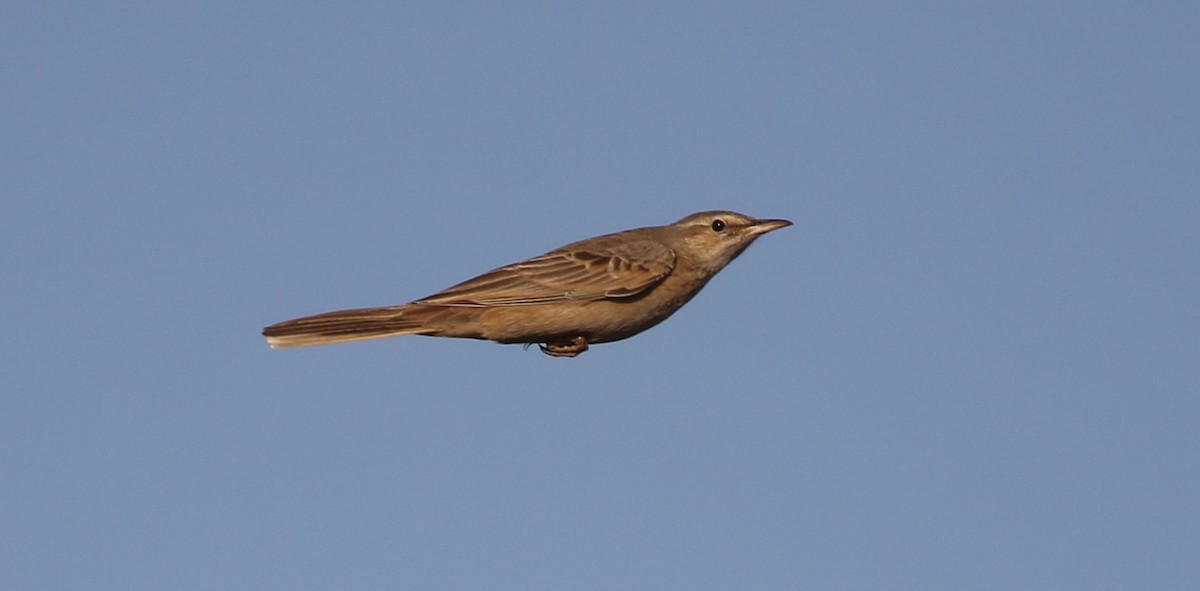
[(346, 326)]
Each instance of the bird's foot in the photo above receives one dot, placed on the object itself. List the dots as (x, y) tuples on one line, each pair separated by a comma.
[(569, 348)]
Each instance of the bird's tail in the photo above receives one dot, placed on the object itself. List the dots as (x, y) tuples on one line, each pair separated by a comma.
[(346, 326)]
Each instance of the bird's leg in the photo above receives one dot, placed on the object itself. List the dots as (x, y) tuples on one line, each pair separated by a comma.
[(569, 348)]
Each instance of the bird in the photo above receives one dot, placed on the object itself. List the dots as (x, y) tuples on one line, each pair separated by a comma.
[(598, 290)]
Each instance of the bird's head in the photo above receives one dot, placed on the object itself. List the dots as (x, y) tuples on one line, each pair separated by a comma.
[(714, 238)]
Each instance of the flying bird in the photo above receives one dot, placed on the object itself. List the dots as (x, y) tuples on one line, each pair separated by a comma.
[(597, 290)]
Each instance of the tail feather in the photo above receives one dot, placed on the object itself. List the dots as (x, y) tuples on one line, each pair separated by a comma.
[(345, 326)]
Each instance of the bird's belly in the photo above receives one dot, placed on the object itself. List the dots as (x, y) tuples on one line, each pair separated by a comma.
[(599, 321)]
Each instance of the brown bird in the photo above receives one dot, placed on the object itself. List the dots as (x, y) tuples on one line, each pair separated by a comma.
[(598, 290)]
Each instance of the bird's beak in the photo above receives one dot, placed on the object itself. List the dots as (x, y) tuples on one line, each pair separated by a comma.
[(764, 226)]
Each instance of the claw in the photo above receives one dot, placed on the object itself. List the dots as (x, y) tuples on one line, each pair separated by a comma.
[(569, 348)]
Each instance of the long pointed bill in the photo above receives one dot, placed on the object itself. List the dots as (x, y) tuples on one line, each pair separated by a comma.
[(764, 226)]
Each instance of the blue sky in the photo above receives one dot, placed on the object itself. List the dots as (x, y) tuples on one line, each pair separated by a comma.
[(971, 364)]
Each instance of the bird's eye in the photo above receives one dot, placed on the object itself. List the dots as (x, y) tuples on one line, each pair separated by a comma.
[(718, 225)]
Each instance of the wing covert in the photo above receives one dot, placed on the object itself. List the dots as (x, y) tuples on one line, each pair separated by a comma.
[(580, 271)]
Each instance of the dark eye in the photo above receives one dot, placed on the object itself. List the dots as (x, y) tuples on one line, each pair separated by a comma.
[(718, 225)]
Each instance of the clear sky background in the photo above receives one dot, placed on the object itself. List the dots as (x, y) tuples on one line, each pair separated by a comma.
[(973, 363)]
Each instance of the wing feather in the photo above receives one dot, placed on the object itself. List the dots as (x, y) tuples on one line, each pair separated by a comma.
[(591, 270)]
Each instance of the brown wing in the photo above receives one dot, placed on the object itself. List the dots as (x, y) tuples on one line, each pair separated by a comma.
[(591, 270)]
